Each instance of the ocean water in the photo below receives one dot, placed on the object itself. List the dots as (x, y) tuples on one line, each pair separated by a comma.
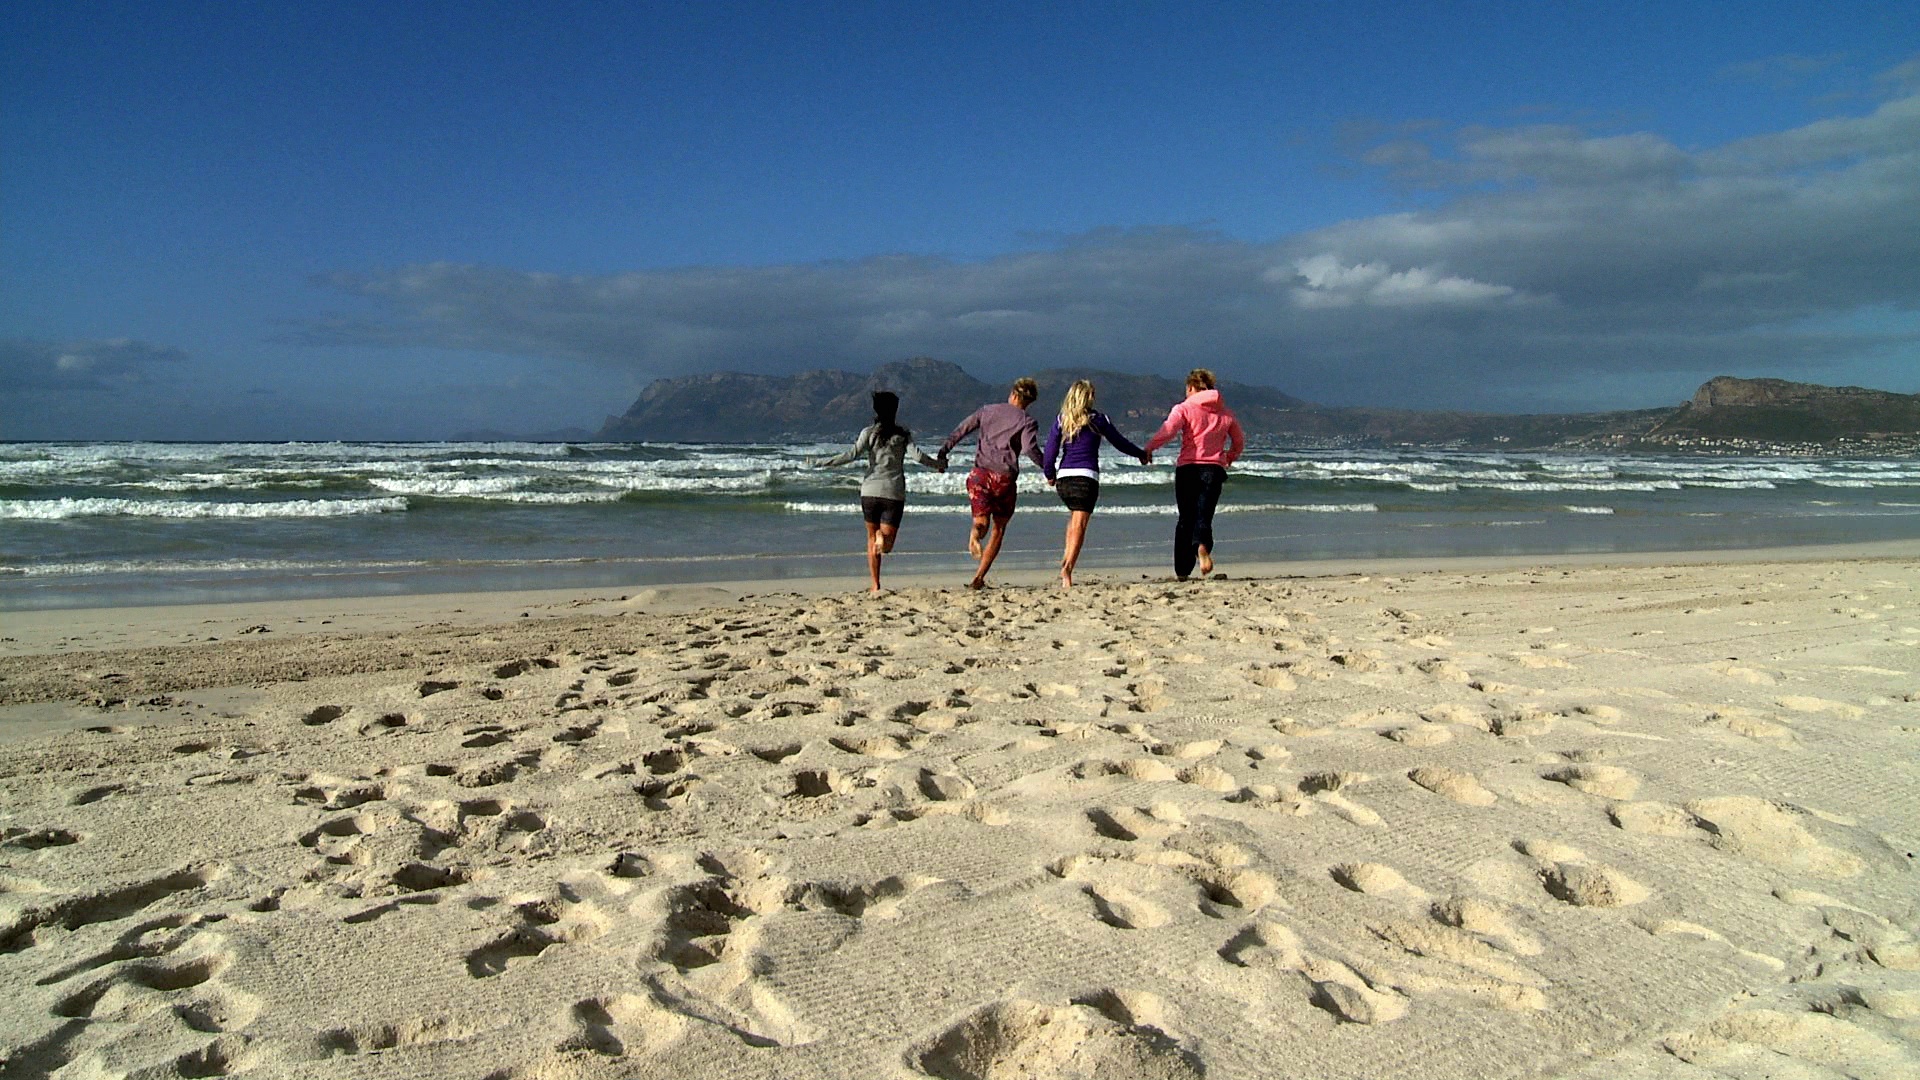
[(86, 524)]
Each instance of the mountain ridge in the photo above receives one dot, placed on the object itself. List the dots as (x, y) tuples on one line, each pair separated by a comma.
[(936, 395)]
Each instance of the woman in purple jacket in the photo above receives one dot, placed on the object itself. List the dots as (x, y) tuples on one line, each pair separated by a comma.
[(1072, 464)]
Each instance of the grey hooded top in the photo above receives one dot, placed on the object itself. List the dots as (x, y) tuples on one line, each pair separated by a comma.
[(886, 462)]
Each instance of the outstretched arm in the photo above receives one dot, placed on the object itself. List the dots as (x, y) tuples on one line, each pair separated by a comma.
[(920, 456), (1029, 439), (859, 447), (1239, 438), (967, 427), (1175, 421), (1112, 434), (1050, 457)]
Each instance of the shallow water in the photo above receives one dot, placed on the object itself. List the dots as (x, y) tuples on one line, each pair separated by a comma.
[(119, 523)]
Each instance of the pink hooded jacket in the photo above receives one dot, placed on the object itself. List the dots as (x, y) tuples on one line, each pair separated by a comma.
[(1206, 427)]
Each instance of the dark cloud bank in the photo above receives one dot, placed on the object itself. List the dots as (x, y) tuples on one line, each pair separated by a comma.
[(1554, 268), (112, 365)]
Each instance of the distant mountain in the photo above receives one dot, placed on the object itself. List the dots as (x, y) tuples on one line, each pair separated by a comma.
[(1776, 410), (935, 395)]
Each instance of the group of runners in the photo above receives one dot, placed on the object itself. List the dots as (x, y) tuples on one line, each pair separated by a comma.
[(1210, 441)]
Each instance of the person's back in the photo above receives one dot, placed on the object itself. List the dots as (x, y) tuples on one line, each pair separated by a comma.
[(1206, 427), (887, 455), (1210, 441), (1005, 430)]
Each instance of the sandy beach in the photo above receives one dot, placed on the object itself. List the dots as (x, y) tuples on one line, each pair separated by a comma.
[(1648, 817)]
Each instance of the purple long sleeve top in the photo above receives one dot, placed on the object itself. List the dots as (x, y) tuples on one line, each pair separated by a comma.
[(1080, 455)]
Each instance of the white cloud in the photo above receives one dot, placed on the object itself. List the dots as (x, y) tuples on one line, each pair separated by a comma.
[(1331, 283)]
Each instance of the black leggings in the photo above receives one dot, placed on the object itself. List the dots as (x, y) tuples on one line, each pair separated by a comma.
[(1196, 489)]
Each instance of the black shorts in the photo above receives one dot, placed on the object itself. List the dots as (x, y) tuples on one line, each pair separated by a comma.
[(1078, 492), (882, 511)]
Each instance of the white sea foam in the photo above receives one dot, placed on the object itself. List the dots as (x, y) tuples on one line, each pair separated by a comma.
[(450, 486), (1577, 485), (1589, 509), (208, 566), (550, 498), (62, 509)]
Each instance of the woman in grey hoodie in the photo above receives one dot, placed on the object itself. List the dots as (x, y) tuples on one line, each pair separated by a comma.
[(883, 491)]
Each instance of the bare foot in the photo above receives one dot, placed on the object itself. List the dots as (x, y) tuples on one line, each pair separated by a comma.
[(977, 584), (1066, 580), (1206, 562), (973, 544)]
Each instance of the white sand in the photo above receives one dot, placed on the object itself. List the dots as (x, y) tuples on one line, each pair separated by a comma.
[(1585, 820)]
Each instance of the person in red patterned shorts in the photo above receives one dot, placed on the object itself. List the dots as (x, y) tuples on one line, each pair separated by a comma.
[(1005, 431)]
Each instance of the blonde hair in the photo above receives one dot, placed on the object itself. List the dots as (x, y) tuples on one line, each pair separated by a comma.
[(1026, 390), (1076, 410), (1201, 379)]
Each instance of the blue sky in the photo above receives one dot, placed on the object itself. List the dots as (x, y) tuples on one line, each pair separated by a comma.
[(407, 219)]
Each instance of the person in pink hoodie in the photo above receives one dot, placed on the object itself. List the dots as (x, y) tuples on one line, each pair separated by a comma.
[(1210, 442)]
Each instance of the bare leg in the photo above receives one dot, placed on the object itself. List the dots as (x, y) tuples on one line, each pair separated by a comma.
[(994, 539), (874, 551), (979, 533), (1076, 539), (888, 533)]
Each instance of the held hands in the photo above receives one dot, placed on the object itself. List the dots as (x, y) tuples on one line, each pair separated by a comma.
[(1146, 459)]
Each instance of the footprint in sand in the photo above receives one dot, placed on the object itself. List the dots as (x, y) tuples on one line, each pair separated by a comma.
[(617, 1026), (1489, 921), (1569, 877), (877, 746), (1605, 781), (1116, 1035), (1420, 735), (1803, 704), (1462, 944), (878, 900), (338, 839), (71, 912), (1271, 677), (1775, 834), (1326, 789), (1682, 928), (350, 1040), (1145, 770), (1442, 670), (1771, 833), (538, 925), (943, 787), (1653, 818), (707, 939), (1130, 823), (1375, 879), (1456, 784), (38, 839), (1330, 985)]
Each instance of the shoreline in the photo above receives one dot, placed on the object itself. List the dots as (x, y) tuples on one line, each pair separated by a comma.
[(44, 631)]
